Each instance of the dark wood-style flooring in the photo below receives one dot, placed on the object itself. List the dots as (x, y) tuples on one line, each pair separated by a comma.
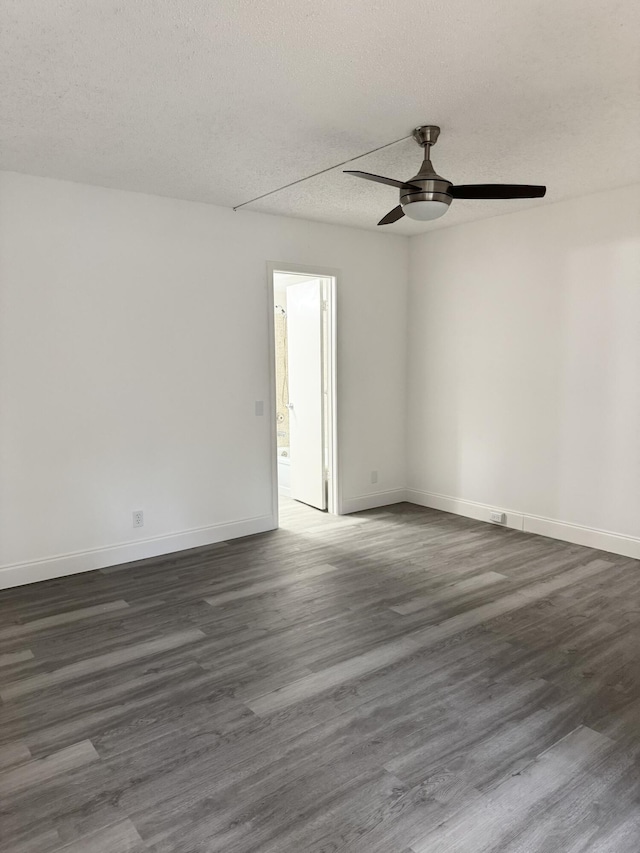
[(399, 680)]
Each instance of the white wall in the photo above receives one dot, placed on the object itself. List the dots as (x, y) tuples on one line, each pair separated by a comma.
[(524, 369), (134, 340), (133, 345)]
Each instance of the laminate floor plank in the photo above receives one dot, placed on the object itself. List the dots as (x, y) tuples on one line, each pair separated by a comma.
[(452, 591), (42, 842), (74, 803), (258, 589), (91, 665), (14, 753), (40, 770), (11, 658), (60, 619), (493, 821), (119, 838), (396, 681)]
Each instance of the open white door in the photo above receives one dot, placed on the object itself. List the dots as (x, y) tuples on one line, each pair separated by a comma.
[(306, 416)]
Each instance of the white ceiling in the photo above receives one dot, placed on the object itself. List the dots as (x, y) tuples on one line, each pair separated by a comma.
[(223, 100)]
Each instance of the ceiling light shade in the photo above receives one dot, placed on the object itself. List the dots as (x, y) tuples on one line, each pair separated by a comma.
[(425, 210)]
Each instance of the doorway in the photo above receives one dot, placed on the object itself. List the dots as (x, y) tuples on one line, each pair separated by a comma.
[(304, 388)]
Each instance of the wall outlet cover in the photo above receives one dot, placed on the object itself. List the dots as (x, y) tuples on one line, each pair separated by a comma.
[(497, 517), (138, 518)]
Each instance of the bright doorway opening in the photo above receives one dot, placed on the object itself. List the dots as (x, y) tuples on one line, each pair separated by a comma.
[(304, 388)]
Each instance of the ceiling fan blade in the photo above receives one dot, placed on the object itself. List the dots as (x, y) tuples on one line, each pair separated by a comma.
[(392, 216), (380, 180), (497, 191)]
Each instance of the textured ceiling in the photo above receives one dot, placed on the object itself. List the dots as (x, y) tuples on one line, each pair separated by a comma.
[(223, 100)]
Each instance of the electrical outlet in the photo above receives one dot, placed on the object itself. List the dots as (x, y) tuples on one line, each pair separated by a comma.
[(497, 517), (374, 476), (138, 518)]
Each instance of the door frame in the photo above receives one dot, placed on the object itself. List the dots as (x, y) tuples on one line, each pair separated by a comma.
[(334, 491)]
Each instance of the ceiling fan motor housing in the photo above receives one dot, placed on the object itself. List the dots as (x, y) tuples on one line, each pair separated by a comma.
[(434, 188)]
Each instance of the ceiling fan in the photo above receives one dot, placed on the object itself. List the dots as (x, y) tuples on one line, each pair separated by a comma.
[(428, 196)]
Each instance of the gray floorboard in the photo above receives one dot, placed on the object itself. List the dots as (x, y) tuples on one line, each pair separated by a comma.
[(398, 681)]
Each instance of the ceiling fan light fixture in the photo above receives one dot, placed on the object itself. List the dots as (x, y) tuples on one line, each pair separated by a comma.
[(427, 195), (423, 211)]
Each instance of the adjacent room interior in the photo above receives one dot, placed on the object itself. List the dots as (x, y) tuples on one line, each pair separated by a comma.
[(305, 362), (320, 427)]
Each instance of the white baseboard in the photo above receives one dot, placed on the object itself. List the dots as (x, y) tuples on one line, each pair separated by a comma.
[(616, 543), (18, 574), (373, 500), (470, 509), (603, 540), (285, 491)]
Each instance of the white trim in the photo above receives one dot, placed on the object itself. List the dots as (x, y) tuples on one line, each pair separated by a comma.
[(373, 500), (18, 574), (603, 540), (335, 482), (285, 491), (458, 506), (271, 405), (590, 537)]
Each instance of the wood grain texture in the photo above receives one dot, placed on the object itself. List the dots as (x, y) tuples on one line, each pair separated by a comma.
[(14, 753), (40, 770), (121, 837), (42, 624), (10, 658), (398, 681), (89, 666)]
